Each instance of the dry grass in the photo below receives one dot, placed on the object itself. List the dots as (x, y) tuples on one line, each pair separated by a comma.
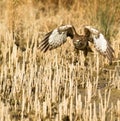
[(50, 87)]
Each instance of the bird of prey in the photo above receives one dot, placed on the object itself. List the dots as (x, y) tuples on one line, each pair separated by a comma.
[(58, 36)]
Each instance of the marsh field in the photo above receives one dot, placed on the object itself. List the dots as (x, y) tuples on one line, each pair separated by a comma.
[(36, 86)]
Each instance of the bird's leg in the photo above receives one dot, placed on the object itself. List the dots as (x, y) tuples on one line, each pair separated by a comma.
[(85, 55), (110, 62), (76, 51)]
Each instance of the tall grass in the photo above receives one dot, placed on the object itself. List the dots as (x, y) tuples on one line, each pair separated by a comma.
[(104, 15), (37, 86)]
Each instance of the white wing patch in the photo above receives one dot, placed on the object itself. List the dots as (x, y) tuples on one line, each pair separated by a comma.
[(98, 39), (100, 43), (56, 39)]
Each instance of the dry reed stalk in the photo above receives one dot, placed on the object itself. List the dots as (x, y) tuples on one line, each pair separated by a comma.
[(36, 86)]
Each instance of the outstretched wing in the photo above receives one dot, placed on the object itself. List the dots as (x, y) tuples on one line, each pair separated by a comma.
[(56, 38), (100, 43)]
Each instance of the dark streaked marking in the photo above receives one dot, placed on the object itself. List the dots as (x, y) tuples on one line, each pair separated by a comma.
[(43, 43), (46, 48)]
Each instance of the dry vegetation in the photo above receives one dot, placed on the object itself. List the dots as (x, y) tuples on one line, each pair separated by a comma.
[(51, 87)]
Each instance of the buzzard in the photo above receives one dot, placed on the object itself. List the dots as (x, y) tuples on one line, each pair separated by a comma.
[(58, 36)]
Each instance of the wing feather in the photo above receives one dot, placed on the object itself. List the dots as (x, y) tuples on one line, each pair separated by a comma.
[(45, 48), (100, 43), (43, 42), (56, 38)]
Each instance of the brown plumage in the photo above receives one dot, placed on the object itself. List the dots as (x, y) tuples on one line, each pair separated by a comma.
[(58, 36)]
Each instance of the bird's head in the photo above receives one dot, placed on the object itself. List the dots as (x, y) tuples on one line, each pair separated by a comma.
[(79, 44)]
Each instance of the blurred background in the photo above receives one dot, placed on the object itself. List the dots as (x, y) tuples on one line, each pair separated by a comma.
[(104, 14), (49, 87)]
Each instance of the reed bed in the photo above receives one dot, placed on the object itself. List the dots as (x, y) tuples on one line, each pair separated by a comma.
[(36, 86)]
